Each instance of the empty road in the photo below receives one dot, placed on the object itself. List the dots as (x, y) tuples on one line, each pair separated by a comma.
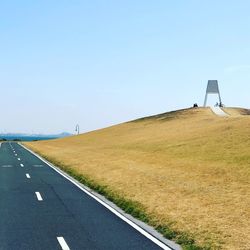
[(40, 209)]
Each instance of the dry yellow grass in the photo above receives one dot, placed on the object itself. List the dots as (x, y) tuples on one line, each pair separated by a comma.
[(237, 111), (189, 168)]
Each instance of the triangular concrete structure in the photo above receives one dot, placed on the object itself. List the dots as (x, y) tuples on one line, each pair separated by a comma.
[(212, 88)]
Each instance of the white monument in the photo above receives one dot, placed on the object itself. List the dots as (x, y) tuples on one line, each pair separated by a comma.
[(212, 88)]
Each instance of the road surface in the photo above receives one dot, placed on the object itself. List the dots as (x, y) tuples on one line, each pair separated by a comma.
[(40, 209)]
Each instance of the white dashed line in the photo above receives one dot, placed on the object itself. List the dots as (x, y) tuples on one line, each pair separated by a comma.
[(21, 165), (19, 159), (39, 197), (15, 154), (38, 166), (28, 176), (63, 243), (7, 166)]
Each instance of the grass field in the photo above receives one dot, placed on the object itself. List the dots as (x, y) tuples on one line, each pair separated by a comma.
[(189, 170)]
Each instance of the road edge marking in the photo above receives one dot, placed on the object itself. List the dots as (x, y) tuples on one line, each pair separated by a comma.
[(158, 242)]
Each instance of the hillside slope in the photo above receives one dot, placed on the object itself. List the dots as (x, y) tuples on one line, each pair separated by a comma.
[(189, 169)]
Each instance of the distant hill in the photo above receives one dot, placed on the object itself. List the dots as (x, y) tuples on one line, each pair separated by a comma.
[(32, 137)]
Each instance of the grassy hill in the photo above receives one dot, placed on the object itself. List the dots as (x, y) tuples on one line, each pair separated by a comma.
[(187, 171)]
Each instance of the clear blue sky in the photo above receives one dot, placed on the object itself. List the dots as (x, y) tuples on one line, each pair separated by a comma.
[(99, 62)]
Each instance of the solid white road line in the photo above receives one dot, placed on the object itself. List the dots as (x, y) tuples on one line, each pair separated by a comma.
[(21, 165), (19, 159), (63, 243), (39, 197), (121, 216), (28, 176)]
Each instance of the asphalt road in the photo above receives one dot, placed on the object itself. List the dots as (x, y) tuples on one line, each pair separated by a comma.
[(40, 209)]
